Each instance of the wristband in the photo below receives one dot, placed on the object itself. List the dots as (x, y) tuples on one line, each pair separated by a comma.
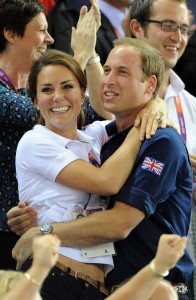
[(156, 272), (94, 60), (33, 280)]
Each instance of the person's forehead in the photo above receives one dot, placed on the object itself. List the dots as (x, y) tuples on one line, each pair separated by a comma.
[(170, 10), (124, 55)]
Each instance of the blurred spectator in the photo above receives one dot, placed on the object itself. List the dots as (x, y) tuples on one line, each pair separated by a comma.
[(186, 65), (65, 14), (48, 4), (113, 14), (76, 4), (60, 21)]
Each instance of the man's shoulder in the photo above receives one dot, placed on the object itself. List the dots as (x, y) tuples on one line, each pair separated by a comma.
[(166, 139)]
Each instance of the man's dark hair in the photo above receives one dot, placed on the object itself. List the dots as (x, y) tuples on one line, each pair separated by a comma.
[(15, 15), (142, 10)]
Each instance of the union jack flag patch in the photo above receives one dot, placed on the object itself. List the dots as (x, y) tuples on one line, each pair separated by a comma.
[(152, 165)]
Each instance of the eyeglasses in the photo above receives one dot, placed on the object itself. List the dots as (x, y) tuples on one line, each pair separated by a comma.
[(172, 27)]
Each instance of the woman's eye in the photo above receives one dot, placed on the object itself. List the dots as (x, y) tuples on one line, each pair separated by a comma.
[(67, 86), (46, 90)]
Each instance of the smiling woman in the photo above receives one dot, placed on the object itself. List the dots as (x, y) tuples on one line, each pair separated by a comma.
[(23, 38), (59, 96), (56, 178)]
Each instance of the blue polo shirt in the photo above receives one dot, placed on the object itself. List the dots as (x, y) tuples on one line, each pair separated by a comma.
[(160, 185)]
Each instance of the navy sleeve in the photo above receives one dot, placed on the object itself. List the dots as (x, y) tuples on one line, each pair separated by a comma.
[(162, 171)]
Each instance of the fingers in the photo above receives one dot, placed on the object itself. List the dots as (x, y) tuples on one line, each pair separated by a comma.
[(96, 13), (20, 257), (83, 12), (193, 157), (177, 245), (21, 219), (95, 5), (193, 162), (19, 210), (170, 248), (22, 205), (144, 128), (148, 124), (173, 240), (46, 244)]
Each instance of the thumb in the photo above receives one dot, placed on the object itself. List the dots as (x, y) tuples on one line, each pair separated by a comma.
[(22, 205)]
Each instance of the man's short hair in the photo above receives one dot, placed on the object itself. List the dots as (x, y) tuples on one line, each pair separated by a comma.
[(152, 62)]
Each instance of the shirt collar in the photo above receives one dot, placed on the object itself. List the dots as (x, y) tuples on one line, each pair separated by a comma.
[(111, 129), (176, 85), (114, 15), (82, 137)]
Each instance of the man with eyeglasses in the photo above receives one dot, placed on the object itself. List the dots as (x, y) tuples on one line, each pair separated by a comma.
[(164, 24)]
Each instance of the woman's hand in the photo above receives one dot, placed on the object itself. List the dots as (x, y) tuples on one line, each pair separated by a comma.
[(151, 117)]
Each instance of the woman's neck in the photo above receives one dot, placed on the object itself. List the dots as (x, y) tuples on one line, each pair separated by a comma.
[(17, 77)]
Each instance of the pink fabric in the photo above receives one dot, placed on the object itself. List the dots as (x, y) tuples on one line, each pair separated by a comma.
[(48, 4)]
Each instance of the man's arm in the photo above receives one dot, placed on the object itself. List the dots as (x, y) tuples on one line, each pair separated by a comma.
[(100, 227)]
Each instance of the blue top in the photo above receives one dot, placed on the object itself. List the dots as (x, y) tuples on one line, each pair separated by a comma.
[(161, 186), (17, 115)]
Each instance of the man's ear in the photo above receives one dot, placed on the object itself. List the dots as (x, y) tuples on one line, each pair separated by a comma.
[(9, 35), (151, 85), (136, 28)]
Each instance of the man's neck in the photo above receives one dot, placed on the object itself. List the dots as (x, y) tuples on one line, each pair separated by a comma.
[(123, 123)]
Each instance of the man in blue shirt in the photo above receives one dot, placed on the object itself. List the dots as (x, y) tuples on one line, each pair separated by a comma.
[(158, 188)]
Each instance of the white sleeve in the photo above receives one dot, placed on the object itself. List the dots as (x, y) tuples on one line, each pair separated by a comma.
[(42, 155), (97, 130)]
